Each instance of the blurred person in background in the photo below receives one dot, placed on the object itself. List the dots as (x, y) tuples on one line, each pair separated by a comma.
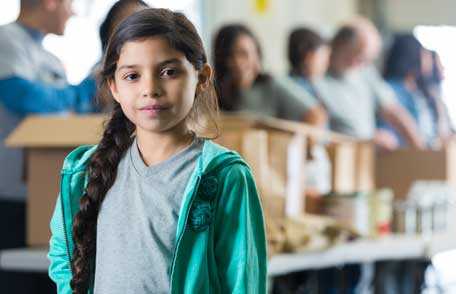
[(354, 93), (32, 81), (408, 67), (308, 55), (433, 76), (116, 14), (243, 86)]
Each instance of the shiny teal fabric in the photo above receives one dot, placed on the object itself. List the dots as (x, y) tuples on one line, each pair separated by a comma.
[(221, 243)]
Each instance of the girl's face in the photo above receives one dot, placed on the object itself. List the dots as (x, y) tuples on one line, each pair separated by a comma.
[(155, 84), (316, 62), (244, 61)]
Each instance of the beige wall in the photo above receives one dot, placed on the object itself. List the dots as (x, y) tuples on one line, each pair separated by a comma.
[(405, 14), (274, 25)]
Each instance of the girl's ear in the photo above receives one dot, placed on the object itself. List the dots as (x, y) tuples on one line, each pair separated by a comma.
[(204, 77), (113, 89)]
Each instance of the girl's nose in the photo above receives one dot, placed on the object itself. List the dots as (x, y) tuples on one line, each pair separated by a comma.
[(152, 89)]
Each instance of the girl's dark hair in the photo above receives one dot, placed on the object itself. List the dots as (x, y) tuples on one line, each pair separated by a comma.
[(403, 58), (301, 42), (176, 29), (227, 92), (112, 19)]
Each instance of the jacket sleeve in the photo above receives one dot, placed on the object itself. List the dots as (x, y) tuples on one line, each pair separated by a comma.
[(59, 269), (240, 241)]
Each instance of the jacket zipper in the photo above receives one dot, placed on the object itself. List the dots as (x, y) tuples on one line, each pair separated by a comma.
[(65, 232), (187, 213)]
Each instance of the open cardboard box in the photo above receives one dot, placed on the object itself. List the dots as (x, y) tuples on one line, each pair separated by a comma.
[(352, 162), (46, 142), (399, 169)]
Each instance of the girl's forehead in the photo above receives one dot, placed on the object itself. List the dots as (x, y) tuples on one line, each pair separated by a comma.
[(154, 49)]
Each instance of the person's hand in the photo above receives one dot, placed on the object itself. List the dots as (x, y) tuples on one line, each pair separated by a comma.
[(385, 140)]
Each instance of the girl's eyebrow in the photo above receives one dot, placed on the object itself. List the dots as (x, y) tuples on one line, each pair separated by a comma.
[(169, 61), (161, 64)]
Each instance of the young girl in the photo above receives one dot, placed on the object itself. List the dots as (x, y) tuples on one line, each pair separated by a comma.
[(155, 207)]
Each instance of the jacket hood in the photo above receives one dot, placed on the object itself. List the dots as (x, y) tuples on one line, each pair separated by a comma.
[(213, 157)]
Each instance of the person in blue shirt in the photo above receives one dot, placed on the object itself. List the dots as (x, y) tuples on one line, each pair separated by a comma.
[(32, 81), (405, 65)]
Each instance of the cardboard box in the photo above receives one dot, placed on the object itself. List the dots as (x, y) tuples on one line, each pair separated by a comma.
[(277, 162), (399, 169), (352, 162), (353, 166), (46, 141)]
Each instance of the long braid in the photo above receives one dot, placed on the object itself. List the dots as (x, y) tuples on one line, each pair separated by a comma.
[(102, 170)]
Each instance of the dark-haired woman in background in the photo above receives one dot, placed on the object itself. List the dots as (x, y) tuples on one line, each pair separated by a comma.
[(308, 54), (404, 70), (242, 86)]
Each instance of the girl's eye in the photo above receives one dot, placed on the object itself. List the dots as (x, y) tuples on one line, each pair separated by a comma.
[(131, 77), (169, 72)]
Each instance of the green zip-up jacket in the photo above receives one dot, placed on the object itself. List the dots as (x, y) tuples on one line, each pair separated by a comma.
[(220, 237)]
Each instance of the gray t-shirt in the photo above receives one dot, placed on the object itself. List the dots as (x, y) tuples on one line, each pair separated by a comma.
[(137, 222), (21, 56), (280, 98), (354, 100)]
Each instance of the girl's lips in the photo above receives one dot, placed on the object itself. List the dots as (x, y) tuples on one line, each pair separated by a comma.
[(154, 110), (155, 107)]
